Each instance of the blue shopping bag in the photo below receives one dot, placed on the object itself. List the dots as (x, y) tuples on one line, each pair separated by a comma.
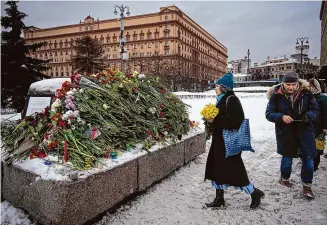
[(238, 140)]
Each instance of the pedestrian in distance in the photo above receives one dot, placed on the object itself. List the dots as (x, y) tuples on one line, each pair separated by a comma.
[(320, 123)]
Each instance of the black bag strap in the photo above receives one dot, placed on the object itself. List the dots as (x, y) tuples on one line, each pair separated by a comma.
[(227, 100)]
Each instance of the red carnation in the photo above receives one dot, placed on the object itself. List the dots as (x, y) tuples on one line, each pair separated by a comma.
[(162, 105), (163, 91), (149, 133), (161, 114), (41, 155), (61, 123)]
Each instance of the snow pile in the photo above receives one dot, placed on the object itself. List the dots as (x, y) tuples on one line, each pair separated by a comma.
[(11, 117), (48, 85), (13, 216)]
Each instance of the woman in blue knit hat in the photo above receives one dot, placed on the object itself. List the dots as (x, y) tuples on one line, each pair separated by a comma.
[(224, 172)]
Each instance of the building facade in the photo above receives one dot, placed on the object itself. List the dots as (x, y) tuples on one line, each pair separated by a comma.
[(168, 36), (275, 68), (240, 65), (323, 52)]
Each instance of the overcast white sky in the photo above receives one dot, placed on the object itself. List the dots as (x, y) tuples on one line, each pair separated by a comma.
[(266, 28)]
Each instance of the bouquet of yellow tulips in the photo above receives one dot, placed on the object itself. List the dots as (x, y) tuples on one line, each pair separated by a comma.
[(209, 112), (320, 142)]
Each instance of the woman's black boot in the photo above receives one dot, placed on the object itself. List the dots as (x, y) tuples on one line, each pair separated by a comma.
[(256, 198), (218, 201)]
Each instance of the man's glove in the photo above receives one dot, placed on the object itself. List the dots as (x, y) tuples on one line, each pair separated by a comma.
[(305, 119)]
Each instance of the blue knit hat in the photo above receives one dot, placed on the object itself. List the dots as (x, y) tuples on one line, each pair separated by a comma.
[(227, 81)]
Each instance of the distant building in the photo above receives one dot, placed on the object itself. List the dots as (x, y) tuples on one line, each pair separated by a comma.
[(315, 61), (323, 51), (240, 65)]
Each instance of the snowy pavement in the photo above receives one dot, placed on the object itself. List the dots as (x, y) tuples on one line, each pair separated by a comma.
[(180, 198)]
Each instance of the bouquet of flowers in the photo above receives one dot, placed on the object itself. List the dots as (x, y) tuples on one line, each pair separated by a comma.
[(320, 142), (208, 113)]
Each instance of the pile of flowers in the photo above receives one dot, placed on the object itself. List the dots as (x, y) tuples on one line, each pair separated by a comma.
[(208, 113), (320, 142), (97, 116)]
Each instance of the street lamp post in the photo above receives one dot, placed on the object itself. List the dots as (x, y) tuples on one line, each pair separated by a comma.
[(122, 9), (248, 71), (306, 40)]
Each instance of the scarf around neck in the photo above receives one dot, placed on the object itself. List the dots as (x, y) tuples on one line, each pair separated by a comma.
[(219, 97), (292, 97)]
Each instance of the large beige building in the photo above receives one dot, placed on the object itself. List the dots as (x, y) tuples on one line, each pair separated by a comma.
[(168, 34), (323, 53)]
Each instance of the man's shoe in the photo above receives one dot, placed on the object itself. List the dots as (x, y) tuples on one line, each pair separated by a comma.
[(307, 193), (285, 182)]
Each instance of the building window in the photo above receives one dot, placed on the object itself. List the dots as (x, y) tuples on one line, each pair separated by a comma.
[(289, 67), (142, 45), (166, 34), (67, 73), (157, 45), (166, 17), (149, 45), (166, 43), (135, 37), (166, 52), (141, 36)]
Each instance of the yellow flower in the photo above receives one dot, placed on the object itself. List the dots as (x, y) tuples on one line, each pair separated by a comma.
[(209, 112)]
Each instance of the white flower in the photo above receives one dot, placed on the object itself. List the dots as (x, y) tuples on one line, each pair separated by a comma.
[(74, 89), (141, 76), (57, 103), (81, 90), (105, 106), (152, 110), (76, 113), (70, 93), (79, 120), (165, 133)]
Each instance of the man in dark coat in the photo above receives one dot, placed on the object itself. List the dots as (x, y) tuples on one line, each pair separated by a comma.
[(292, 108), (222, 171), (320, 123)]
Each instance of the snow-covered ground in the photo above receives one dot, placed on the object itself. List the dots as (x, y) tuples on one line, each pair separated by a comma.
[(10, 117), (180, 198)]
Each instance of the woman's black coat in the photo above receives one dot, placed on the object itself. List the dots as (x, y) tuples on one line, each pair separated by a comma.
[(231, 170)]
